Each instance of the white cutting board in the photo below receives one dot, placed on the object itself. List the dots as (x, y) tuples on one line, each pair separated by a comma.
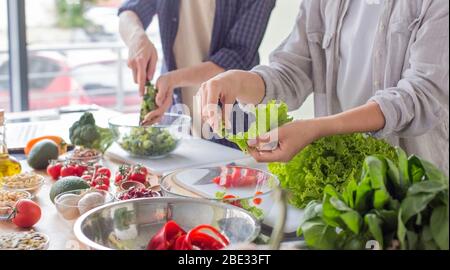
[(191, 153), (187, 180)]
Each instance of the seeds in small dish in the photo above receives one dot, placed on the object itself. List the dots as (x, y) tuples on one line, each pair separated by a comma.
[(30, 240), (22, 181), (85, 153), (9, 198)]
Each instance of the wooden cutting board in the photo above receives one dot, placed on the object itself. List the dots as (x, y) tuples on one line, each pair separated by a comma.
[(191, 153)]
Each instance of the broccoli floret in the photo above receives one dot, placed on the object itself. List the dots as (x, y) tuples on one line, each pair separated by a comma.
[(86, 133)]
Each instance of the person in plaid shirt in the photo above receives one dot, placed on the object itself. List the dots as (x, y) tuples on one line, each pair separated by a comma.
[(200, 39)]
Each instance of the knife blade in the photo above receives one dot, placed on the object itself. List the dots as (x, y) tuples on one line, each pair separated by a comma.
[(212, 173)]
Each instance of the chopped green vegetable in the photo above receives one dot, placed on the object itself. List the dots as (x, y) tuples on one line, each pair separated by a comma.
[(378, 209), (334, 160), (268, 117), (149, 142), (257, 212), (86, 133), (149, 101)]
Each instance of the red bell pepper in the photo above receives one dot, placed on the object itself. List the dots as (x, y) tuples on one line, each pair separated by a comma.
[(166, 238), (173, 237), (203, 241)]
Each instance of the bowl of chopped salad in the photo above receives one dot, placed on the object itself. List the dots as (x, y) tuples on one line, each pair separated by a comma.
[(152, 142)]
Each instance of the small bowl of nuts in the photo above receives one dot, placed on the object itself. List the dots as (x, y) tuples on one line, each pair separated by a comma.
[(30, 240), (30, 182), (9, 198), (85, 155)]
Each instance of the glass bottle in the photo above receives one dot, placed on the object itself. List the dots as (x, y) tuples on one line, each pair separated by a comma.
[(8, 164)]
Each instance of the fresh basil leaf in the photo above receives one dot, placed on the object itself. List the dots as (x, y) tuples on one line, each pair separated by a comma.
[(376, 168), (354, 242), (394, 178), (319, 235), (426, 240), (439, 226), (380, 198), (350, 192), (401, 231), (413, 238), (415, 169), (330, 214), (403, 167), (339, 205), (352, 221), (363, 194), (374, 225), (412, 205), (429, 187), (433, 173), (388, 217), (312, 211)]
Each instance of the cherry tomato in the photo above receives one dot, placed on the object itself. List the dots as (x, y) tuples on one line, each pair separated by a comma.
[(80, 169), (68, 170), (104, 171), (231, 199), (100, 180), (26, 213), (54, 170), (101, 187), (119, 178), (87, 178), (138, 177)]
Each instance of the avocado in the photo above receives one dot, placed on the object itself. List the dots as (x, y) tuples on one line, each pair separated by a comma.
[(41, 153), (67, 184)]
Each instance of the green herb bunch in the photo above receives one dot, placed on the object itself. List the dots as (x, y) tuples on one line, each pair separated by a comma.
[(400, 204)]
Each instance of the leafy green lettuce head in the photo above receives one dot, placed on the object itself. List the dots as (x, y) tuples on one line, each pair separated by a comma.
[(332, 161)]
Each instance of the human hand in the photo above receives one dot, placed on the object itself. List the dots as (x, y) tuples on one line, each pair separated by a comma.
[(224, 89), (282, 144), (142, 60), (164, 99)]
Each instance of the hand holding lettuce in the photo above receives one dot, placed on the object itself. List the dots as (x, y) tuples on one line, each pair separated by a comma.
[(331, 160), (268, 117)]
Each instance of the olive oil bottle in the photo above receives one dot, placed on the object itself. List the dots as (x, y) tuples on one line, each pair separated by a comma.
[(8, 165)]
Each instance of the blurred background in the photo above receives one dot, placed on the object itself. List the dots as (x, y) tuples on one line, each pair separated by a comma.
[(75, 55)]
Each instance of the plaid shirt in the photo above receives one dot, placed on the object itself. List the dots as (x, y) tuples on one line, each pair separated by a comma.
[(239, 27)]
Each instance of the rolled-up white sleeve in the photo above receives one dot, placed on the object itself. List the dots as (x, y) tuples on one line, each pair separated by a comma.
[(419, 102)]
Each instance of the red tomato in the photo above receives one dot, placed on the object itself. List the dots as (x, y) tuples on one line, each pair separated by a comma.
[(119, 178), (141, 169), (80, 169), (104, 171), (54, 170), (87, 178), (233, 200), (102, 187), (235, 177), (138, 177), (100, 180), (26, 213), (69, 170)]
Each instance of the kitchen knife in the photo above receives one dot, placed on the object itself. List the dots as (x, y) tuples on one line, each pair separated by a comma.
[(212, 173)]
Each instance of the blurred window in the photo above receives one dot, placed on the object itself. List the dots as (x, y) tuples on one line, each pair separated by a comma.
[(4, 66)]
